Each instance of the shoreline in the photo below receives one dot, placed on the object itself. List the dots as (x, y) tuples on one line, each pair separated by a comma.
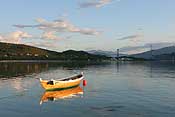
[(54, 61), (83, 61)]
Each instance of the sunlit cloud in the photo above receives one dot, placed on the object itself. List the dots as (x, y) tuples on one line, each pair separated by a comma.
[(58, 26), (50, 35), (95, 3), (14, 37), (43, 44)]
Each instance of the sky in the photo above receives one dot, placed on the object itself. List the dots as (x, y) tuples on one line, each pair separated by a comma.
[(130, 25)]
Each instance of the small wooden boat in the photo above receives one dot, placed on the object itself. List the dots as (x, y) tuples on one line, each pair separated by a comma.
[(55, 95), (63, 83)]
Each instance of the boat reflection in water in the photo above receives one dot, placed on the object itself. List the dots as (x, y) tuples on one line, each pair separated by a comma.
[(56, 95)]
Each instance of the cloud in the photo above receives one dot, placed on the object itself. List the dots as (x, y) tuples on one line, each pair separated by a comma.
[(24, 26), (43, 44), (132, 48), (14, 37), (57, 26), (130, 37), (49, 35), (97, 3)]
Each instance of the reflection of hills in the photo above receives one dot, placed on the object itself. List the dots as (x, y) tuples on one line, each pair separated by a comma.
[(14, 69), (54, 95)]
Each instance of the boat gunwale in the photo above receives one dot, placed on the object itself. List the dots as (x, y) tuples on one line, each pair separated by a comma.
[(57, 81), (70, 77), (61, 79)]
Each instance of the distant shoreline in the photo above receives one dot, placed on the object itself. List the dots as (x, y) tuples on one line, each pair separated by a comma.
[(43, 61), (1, 61), (83, 61)]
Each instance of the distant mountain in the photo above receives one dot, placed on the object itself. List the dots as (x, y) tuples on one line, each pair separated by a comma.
[(10, 51), (165, 57), (106, 53), (81, 55), (165, 53)]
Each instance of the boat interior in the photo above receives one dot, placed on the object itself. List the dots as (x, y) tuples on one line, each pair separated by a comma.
[(72, 78), (52, 82)]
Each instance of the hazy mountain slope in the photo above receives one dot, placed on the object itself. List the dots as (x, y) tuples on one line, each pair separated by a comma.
[(106, 53), (155, 53)]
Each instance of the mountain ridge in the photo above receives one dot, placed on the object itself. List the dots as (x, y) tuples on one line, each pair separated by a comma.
[(10, 51), (106, 53), (155, 54)]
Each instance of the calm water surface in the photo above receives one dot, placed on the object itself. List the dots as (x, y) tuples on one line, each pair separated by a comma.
[(135, 89)]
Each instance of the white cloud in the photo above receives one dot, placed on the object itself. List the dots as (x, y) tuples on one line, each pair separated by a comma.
[(43, 44), (130, 37), (50, 35), (14, 37), (103, 2), (57, 26), (96, 3)]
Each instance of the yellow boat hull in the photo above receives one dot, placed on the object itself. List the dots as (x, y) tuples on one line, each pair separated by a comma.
[(60, 85)]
